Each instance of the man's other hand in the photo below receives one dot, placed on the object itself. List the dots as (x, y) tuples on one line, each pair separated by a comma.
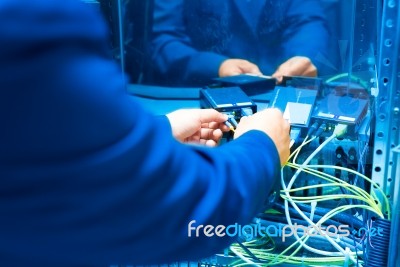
[(231, 67), (295, 66), (198, 126), (271, 122)]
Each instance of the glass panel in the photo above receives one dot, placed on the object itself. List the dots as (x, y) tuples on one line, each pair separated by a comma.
[(188, 40)]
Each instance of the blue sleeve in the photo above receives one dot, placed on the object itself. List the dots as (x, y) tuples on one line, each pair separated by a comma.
[(87, 177), (173, 55), (306, 31)]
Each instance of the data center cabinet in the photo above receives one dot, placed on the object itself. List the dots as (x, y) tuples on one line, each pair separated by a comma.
[(339, 201)]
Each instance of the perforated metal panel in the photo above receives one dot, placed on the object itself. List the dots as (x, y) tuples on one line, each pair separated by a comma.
[(387, 101), (385, 172)]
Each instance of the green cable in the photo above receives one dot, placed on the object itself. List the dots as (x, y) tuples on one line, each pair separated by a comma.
[(352, 77), (331, 178), (361, 192), (362, 176)]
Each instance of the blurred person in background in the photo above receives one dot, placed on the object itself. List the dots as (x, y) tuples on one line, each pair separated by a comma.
[(196, 41)]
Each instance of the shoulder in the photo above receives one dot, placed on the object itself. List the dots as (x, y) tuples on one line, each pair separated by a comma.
[(42, 18), (34, 26)]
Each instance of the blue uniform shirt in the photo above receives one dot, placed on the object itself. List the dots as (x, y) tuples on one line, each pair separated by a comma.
[(87, 177)]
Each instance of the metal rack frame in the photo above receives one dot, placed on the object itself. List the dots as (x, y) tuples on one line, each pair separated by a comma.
[(387, 101), (387, 133)]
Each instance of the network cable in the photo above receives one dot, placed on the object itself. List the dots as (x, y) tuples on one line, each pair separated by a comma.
[(364, 194), (344, 254), (339, 131), (286, 258)]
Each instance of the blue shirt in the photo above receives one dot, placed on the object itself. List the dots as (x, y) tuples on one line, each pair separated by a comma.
[(87, 177)]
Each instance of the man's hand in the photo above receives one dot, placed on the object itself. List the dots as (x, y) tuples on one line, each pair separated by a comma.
[(296, 66), (198, 126), (271, 122), (231, 67)]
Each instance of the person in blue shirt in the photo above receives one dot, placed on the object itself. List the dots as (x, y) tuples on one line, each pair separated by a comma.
[(196, 41), (88, 177)]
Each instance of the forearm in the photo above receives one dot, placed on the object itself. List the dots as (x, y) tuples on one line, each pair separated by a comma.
[(162, 185), (219, 186), (184, 64)]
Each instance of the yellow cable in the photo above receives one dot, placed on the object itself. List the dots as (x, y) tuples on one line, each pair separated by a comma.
[(346, 185), (362, 176)]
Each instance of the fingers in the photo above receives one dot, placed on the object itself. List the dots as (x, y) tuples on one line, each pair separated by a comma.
[(210, 134), (216, 125), (248, 67), (211, 125), (234, 66), (271, 122), (206, 136), (186, 124), (211, 115), (278, 76), (210, 143), (302, 66), (296, 66)]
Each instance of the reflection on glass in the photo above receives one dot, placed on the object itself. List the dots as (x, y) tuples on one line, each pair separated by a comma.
[(195, 41), (187, 43)]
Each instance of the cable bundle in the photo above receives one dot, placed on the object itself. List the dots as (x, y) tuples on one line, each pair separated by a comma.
[(304, 208)]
